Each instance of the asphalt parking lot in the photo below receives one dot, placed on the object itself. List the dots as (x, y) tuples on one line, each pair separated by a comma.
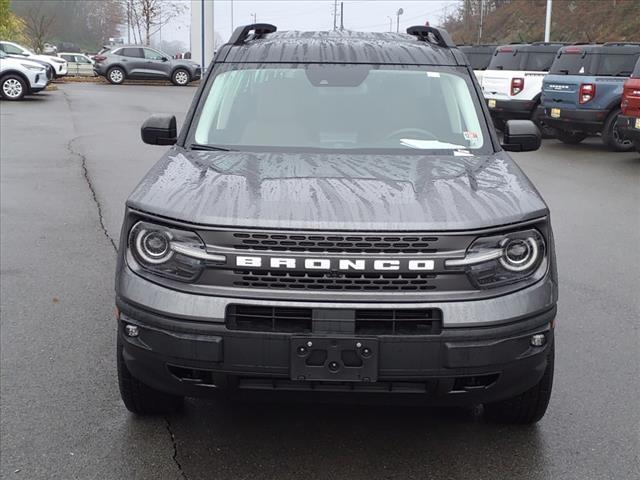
[(70, 157)]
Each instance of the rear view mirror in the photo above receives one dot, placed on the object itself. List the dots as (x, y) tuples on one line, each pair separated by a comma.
[(521, 136), (159, 130)]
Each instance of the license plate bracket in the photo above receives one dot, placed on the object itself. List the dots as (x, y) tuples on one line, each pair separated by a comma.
[(334, 359)]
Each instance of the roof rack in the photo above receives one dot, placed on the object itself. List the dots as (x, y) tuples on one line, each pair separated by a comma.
[(435, 35), (241, 34), (620, 44)]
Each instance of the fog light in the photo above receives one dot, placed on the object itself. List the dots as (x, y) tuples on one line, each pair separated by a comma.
[(538, 340), (132, 331)]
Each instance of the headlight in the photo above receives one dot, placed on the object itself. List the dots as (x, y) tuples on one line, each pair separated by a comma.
[(169, 252), (502, 259), (35, 68)]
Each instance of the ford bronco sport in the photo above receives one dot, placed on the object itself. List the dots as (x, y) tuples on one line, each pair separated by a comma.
[(581, 95), (479, 57), (629, 120), (513, 81), (337, 216)]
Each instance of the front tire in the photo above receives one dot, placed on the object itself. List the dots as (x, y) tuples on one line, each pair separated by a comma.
[(570, 138), (528, 407), (612, 137), (12, 87), (180, 77), (116, 75), (142, 399)]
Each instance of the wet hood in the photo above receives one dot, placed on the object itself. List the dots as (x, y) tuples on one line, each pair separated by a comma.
[(337, 191)]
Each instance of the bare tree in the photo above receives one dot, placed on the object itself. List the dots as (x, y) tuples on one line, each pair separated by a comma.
[(39, 25), (151, 15)]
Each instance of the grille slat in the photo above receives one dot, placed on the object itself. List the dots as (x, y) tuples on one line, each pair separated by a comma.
[(367, 321), (320, 281), (334, 243)]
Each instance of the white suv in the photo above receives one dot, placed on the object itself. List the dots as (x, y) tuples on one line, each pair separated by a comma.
[(512, 83), (14, 50), (20, 77)]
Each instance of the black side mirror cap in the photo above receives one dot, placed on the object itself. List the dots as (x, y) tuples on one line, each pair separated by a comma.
[(165, 59), (159, 130), (521, 136)]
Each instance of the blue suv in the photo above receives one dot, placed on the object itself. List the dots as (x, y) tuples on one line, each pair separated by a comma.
[(582, 92)]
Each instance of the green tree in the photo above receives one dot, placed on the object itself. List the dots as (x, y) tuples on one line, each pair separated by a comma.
[(11, 26)]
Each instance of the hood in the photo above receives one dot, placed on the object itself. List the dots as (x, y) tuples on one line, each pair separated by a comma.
[(337, 191)]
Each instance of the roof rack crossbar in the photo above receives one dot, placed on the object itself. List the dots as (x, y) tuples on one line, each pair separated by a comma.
[(435, 35), (240, 34)]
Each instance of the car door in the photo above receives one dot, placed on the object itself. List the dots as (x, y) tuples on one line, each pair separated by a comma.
[(84, 65), (72, 66), (132, 59), (157, 64)]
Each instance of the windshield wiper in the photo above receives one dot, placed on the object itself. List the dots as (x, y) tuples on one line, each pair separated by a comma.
[(198, 146)]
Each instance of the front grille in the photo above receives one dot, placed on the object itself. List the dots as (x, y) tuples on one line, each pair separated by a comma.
[(334, 281), (284, 242), (269, 319), (252, 318), (398, 322)]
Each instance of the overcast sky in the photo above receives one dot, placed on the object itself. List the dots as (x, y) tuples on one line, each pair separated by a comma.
[(371, 15)]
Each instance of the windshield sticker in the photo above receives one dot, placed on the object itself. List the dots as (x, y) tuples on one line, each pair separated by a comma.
[(433, 74), (471, 136), (429, 144)]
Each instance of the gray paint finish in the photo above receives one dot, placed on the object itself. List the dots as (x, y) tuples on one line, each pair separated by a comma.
[(338, 191)]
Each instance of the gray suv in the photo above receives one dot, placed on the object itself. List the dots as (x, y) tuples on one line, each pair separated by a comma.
[(337, 217), (144, 63)]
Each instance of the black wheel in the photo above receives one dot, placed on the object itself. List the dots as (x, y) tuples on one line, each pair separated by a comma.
[(180, 77), (116, 75), (499, 124), (12, 87), (546, 131), (140, 398), (570, 138), (612, 137), (528, 407)]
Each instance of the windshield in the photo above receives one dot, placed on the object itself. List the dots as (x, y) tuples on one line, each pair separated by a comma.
[(620, 65), (571, 62), (341, 107), (506, 59)]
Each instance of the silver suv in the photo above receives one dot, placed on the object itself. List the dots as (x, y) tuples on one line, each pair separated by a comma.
[(144, 63)]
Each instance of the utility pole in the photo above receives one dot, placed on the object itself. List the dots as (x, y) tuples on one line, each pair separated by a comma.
[(390, 23), (335, 14), (547, 22), (398, 13), (341, 15), (254, 16), (481, 21), (231, 15), (128, 22)]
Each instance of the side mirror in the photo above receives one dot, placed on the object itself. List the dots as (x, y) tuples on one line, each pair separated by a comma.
[(165, 59), (159, 130), (521, 136)]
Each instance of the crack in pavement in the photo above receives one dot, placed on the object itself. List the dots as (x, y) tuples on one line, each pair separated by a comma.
[(94, 196), (85, 173), (175, 449)]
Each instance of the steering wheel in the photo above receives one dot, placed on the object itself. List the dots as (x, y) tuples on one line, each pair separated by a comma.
[(410, 133)]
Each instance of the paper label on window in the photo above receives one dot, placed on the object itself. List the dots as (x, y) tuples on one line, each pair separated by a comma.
[(433, 74)]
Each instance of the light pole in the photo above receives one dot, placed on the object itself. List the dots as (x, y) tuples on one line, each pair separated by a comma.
[(390, 23), (547, 22), (398, 13)]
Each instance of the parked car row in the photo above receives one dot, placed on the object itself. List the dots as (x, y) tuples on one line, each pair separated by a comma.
[(20, 77), (570, 91)]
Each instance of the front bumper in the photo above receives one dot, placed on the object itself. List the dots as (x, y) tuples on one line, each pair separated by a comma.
[(573, 120), (629, 127), (483, 352), (511, 109)]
